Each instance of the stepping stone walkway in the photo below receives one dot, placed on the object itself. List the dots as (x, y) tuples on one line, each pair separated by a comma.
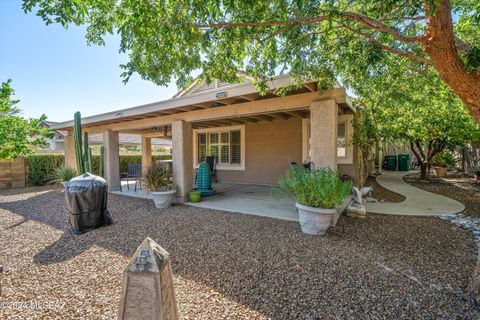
[(417, 203)]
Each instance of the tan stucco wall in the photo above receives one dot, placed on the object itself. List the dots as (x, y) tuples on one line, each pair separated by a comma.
[(350, 169), (270, 147)]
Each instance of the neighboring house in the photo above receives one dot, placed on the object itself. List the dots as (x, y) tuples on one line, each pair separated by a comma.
[(55, 144), (255, 137)]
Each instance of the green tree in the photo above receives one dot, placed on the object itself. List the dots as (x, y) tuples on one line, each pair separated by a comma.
[(17, 134), (172, 38), (414, 105)]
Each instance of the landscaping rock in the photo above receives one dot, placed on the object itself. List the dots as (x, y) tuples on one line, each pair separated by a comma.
[(233, 266)]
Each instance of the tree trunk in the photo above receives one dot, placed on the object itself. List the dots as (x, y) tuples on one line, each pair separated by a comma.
[(439, 44), (423, 170), (419, 154)]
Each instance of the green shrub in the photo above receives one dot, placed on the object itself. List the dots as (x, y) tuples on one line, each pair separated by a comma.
[(444, 159), (126, 159), (42, 167), (320, 188), (158, 178), (65, 173)]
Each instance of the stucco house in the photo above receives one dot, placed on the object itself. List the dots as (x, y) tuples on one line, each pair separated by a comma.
[(255, 137)]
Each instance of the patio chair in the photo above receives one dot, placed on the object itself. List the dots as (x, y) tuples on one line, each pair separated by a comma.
[(134, 173), (212, 163)]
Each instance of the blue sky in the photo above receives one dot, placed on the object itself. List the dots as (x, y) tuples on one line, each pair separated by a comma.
[(54, 72)]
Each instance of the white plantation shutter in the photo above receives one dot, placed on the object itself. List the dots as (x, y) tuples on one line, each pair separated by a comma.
[(224, 147), (213, 144), (235, 150)]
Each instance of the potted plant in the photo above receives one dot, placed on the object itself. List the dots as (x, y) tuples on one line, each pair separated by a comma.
[(64, 175), (194, 196), (158, 180), (441, 162), (316, 193)]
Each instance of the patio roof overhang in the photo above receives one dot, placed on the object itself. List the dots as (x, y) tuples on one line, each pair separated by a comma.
[(232, 104)]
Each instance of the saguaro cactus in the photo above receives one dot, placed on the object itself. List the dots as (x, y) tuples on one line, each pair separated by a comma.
[(87, 153), (83, 154), (77, 137)]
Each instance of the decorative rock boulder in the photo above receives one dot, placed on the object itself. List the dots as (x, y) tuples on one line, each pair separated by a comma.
[(147, 291)]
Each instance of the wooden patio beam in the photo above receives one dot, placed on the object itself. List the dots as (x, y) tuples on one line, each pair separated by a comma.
[(265, 106)]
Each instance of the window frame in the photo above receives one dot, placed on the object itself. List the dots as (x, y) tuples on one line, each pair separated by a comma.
[(347, 120), (221, 166)]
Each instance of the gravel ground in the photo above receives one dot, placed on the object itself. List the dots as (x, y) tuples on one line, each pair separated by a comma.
[(461, 188), (233, 266)]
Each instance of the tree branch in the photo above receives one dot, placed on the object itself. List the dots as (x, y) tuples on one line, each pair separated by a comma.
[(416, 18), (420, 149), (364, 20), (223, 25), (402, 53), (376, 25), (415, 152)]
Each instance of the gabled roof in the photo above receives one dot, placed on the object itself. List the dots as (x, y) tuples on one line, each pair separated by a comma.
[(199, 85)]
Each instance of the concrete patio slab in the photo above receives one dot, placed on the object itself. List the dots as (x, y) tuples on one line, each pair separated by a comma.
[(417, 203), (130, 190), (249, 199)]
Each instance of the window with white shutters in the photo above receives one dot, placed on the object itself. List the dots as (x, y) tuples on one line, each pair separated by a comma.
[(235, 148), (224, 144)]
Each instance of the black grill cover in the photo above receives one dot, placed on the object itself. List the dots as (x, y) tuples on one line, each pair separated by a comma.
[(86, 198)]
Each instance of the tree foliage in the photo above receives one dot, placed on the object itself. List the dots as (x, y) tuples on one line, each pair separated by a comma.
[(412, 104), (168, 39), (17, 134)]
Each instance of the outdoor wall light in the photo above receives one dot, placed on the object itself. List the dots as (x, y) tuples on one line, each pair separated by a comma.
[(221, 95), (165, 131)]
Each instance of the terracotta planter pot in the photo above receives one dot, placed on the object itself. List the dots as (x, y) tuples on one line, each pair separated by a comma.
[(163, 199), (441, 172), (314, 221)]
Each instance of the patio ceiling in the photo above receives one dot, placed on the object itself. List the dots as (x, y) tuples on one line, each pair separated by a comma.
[(152, 118)]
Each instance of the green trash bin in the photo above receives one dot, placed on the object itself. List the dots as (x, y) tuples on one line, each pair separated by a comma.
[(391, 161), (403, 162)]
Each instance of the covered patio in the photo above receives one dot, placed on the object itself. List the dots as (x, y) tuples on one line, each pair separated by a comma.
[(255, 137), (243, 198)]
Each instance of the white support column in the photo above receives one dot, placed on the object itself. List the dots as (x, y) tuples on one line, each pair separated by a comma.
[(323, 133), (182, 158), (112, 159), (146, 152), (69, 151)]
